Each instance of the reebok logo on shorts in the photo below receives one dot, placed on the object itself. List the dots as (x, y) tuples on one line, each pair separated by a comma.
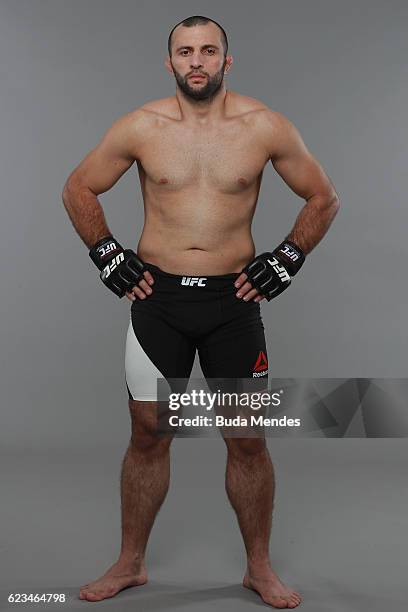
[(194, 280), (261, 366)]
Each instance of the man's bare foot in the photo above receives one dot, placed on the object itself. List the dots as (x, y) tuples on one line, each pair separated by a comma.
[(273, 592), (118, 577)]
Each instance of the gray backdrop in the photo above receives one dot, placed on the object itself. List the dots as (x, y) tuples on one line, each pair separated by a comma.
[(68, 69)]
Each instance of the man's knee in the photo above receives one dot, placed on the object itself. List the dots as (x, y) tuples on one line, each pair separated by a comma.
[(144, 436), (245, 447)]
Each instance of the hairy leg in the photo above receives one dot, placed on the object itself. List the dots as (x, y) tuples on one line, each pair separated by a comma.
[(145, 480), (144, 485), (250, 486)]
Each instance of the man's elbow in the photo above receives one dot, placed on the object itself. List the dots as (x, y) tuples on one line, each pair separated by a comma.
[(330, 201), (68, 188), (73, 186), (334, 202), (65, 194), (326, 204), (331, 206)]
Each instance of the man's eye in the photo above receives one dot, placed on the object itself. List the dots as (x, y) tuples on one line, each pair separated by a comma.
[(186, 51)]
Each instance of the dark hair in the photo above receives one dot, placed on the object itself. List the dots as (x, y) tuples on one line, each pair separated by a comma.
[(199, 20)]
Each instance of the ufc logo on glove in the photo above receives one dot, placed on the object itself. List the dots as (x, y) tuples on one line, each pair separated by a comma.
[(113, 264), (280, 270)]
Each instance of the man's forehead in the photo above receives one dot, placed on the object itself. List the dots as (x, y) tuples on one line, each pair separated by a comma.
[(206, 34)]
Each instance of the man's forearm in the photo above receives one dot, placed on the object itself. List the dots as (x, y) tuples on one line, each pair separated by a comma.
[(86, 214), (313, 221)]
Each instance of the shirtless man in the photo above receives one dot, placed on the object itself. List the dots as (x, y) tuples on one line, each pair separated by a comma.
[(200, 157)]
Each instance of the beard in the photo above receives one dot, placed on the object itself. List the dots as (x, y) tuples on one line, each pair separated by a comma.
[(200, 93)]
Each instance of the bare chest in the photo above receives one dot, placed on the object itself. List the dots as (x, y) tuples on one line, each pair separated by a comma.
[(229, 159)]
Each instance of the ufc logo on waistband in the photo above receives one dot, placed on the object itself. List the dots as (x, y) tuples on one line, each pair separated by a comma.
[(194, 280), (290, 253), (113, 264), (280, 270)]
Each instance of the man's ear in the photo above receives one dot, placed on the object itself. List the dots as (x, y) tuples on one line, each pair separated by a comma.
[(229, 61), (168, 65)]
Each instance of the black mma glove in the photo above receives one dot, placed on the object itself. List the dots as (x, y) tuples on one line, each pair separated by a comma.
[(121, 269), (270, 273)]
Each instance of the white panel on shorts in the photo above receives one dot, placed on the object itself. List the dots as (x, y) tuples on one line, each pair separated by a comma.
[(141, 374)]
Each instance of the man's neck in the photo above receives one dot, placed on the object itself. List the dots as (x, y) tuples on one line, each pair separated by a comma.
[(203, 112)]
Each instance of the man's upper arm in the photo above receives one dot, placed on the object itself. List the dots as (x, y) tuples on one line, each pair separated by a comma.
[(112, 157), (292, 160)]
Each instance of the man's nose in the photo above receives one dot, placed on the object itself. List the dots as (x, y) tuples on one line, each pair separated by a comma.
[(196, 62)]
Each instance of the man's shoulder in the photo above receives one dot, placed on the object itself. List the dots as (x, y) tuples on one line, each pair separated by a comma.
[(237, 104), (256, 111), (145, 116), (162, 108), (253, 112), (244, 104)]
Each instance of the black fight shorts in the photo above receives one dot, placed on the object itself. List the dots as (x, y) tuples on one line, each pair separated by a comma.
[(185, 314)]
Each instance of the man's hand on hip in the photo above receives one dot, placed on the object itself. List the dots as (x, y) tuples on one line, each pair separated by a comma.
[(121, 270), (142, 290), (270, 273)]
